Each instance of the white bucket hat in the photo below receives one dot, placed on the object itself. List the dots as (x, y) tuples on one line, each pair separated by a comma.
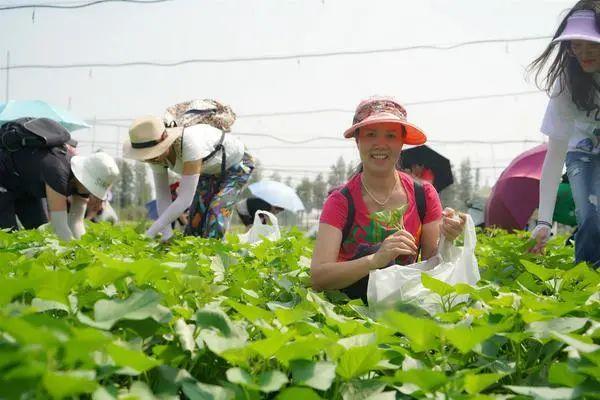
[(148, 138), (96, 172)]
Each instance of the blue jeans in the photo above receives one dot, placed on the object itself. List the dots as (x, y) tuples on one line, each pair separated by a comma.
[(584, 175)]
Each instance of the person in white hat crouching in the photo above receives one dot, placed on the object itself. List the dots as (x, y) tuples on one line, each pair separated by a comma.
[(29, 175)]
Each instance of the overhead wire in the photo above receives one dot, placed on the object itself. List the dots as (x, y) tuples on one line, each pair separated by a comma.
[(282, 57), (77, 6)]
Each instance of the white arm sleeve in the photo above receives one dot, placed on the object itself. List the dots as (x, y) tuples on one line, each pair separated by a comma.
[(551, 173), (76, 216), (163, 197), (187, 189), (58, 220)]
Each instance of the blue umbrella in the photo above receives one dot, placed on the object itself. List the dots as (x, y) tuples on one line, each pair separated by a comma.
[(15, 109)]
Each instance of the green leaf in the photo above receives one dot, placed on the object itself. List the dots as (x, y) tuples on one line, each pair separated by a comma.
[(318, 375), (423, 333), (219, 344), (271, 345), (209, 318), (272, 381), (70, 383), (288, 316), (475, 383), (543, 329), (138, 391), (543, 393), (185, 333), (267, 382), (138, 306), (435, 285), (302, 348), (363, 389), (250, 312), (357, 361), (295, 393), (361, 340), (423, 378), (561, 374), (544, 274), (204, 391), (134, 359), (466, 338), (576, 343)]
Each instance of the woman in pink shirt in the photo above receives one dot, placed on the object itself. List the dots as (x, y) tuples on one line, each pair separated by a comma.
[(349, 243)]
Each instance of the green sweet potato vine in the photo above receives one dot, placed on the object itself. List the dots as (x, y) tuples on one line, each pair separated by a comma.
[(117, 316)]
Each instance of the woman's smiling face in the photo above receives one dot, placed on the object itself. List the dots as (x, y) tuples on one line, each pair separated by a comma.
[(379, 147)]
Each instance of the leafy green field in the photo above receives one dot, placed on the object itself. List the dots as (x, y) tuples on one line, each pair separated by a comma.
[(117, 316)]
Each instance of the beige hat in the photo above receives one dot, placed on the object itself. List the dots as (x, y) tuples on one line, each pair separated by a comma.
[(96, 172), (148, 138)]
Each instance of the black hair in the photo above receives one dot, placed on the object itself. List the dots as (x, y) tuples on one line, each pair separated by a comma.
[(564, 68), (254, 204)]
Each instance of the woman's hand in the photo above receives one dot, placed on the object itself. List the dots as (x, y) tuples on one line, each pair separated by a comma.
[(453, 223), (541, 234), (399, 244)]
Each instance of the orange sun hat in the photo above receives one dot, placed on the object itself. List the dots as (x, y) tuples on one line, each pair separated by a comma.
[(385, 110)]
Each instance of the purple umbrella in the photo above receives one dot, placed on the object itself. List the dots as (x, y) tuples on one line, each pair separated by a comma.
[(516, 194)]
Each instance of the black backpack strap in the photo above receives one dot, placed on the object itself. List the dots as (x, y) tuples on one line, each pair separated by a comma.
[(420, 199), (219, 147), (349, 215)]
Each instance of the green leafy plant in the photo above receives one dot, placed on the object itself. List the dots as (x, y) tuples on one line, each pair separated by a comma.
[(117, 316)]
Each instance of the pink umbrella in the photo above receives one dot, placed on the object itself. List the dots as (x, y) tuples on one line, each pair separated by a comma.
[(516, 194)]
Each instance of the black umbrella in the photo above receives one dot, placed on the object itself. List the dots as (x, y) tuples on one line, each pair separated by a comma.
[(429, 158)]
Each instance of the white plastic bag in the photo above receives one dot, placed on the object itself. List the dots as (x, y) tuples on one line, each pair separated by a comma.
[(403, 282), (260, 230)]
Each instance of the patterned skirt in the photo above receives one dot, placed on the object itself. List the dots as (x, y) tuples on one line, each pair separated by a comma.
[(216, 195)]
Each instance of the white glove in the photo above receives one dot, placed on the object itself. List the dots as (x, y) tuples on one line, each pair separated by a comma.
[(187, 189), (541, 233), (59, 222), (76, 216)]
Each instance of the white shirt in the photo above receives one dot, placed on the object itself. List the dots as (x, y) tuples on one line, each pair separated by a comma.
[(564, 121), (197, 142)]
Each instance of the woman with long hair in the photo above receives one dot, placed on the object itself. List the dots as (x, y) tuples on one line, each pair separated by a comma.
[(572, 124), (350, 243)]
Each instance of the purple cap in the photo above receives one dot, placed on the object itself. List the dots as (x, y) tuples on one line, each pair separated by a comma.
[(581, 25)]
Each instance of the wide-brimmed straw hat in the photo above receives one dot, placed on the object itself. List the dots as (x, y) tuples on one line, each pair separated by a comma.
[(581, 25), (386, 110), (96, 172), (148, 138)]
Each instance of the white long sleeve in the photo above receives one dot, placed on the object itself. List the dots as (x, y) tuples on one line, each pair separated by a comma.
[(163, 197), (59, 222), (187, 189), (76, 216), (551, 174)]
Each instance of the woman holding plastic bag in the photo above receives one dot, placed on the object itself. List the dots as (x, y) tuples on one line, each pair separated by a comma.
[(350, 243), (213, 165)]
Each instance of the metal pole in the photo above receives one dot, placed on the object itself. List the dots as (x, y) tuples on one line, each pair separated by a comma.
[(7, 75), (94, 135)]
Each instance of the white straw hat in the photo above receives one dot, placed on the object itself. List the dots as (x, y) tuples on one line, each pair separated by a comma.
[(96, 172), (148, 138)]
